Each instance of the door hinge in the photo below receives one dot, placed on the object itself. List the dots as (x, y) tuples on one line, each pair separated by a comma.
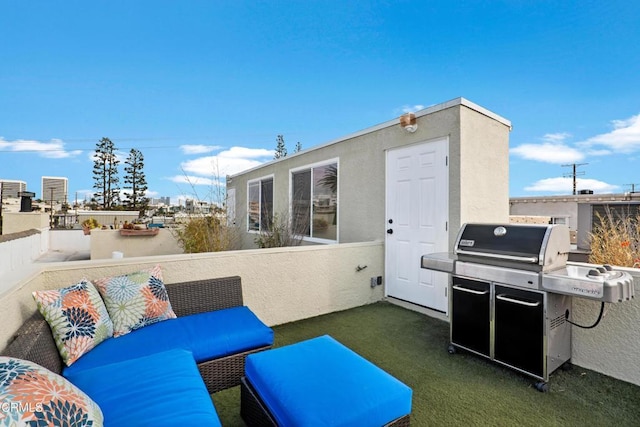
[(446, 160), (446, 226), (445, 291)]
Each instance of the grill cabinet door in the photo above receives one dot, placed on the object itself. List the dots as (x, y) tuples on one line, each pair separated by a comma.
[(470, 315), (519, 329)]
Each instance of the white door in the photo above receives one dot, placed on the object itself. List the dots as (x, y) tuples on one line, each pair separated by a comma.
[(417, 199)]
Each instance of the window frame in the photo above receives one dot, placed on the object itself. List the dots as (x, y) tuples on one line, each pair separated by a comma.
[(311, 167), (260, 210)]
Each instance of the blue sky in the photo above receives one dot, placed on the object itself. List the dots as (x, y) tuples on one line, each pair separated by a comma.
[(203, 88)]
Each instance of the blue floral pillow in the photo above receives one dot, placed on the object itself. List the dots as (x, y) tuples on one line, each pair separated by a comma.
[(31, 395), (135, 300)]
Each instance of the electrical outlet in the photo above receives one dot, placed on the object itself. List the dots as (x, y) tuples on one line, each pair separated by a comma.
[(379, 280), (374, 282)]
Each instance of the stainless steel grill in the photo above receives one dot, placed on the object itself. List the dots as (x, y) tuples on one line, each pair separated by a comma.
[(511, 290)]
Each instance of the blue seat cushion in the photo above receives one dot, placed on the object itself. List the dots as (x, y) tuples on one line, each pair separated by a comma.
[(207, 336), (320, 382), (164, 389)]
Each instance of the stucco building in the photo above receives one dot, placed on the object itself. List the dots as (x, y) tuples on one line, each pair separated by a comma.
[(408, 184)]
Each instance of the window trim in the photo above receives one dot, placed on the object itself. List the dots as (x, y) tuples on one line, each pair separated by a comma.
[(259, 181), (311, 166)]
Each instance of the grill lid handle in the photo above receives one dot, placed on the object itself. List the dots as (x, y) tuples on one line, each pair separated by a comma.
[(527, 259)]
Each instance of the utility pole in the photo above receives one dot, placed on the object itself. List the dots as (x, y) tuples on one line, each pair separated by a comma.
[(633, 187), (51, 210), (574, 174)]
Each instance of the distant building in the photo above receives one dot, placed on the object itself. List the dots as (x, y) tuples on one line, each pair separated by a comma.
[(166, 201), (12, 188), (55, 189), (579, 212)]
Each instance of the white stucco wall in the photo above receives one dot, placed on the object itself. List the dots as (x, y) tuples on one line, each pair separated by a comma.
[(17, 256), (612, 347), (482, 171), (104, 242), (69, 240), (14, 222), (280, 285)]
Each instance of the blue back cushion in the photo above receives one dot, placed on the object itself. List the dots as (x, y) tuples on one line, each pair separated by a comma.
[(164, 389), (207, 335), (320, 382)]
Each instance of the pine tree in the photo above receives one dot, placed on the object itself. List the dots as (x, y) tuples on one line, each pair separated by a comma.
[(281, 149), (105, 174), (136, 181)]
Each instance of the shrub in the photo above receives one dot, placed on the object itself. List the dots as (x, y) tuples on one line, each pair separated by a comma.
[(206, 234), (615, 240), (280, 233)]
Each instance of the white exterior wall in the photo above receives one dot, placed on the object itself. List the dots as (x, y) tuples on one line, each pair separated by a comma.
[(15, 222), (280, 285), (612, 347), (69, 241), (483, 170), (104, 242), (17, 256)]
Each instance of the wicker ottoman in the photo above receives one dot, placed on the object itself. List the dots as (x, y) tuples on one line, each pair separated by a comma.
[(320, 382)]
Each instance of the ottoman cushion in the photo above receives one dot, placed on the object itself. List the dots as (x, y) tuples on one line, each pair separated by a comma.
[(320, 382)]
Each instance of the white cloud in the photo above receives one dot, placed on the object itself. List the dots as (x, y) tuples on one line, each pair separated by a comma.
[(563, 185), (412, 108), (556, 137), (194, 180), (53, 149), (244, 152), (549, 152), (624, 138), (199, 149), (228, 162)]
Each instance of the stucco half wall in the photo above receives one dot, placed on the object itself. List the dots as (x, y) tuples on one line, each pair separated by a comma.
[(612, 347), (280, 285)]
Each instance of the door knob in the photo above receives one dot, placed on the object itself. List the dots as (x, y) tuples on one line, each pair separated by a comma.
[(389, 231)]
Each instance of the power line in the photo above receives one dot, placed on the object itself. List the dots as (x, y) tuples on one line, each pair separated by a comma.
[(87, 149)]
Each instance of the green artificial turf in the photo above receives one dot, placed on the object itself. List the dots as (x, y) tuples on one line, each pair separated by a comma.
[(460, 389)]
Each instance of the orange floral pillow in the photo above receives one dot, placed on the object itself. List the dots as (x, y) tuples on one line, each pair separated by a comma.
[(135, 300), (33, 395), (78, 318)]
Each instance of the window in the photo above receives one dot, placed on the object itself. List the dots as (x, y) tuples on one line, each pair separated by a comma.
[(260, 204), (314, 201)]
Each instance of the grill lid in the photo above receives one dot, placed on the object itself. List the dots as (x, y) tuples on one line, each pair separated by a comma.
[(532, 247)]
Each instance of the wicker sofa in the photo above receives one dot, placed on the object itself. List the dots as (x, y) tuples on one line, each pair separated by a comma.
[(34, 341)]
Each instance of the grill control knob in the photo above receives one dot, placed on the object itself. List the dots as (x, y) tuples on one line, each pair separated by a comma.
[(593, 272), (608, 267), (601, 269)]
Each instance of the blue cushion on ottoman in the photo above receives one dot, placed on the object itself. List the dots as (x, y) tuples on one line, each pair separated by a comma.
[(207, 335), (320, 382), (164, 389)]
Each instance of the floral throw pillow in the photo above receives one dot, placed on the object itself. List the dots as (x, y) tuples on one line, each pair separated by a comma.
[(78, 318), (31, 395), (135, 300)]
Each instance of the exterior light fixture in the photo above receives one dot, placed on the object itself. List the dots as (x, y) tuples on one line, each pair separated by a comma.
[(408, 122)]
